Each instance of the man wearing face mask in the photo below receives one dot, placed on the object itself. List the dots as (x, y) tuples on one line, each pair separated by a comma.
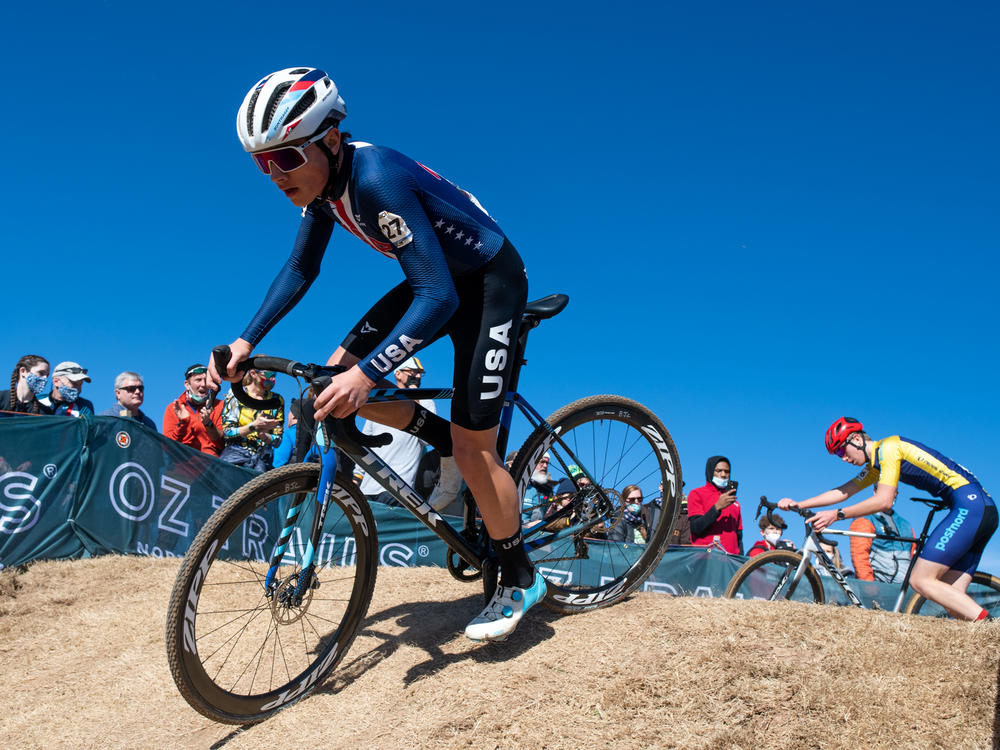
[(714, 512), (67, 383), (195, 417)]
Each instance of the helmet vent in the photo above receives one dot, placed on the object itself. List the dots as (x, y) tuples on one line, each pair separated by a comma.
[(307, 100), (298, 72), (273, 103), (250, 106)]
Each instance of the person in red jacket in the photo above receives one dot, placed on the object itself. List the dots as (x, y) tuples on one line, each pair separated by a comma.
[(195, 417), (714, 512)]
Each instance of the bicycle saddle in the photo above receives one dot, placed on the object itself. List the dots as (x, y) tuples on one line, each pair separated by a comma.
[(547, 307)]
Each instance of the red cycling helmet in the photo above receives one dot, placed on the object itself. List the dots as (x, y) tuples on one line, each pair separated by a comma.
[(838, 433)]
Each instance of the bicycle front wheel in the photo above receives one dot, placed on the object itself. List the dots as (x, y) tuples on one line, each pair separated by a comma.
[(242, 646), (771, 576), (984, 589), (590, 546)]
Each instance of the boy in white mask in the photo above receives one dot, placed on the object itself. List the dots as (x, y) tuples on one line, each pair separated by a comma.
[(771, 527)]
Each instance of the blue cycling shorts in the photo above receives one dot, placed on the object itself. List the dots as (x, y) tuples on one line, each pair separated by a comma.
[(959, 540)]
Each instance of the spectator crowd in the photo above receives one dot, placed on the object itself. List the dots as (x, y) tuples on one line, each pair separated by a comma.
[(259, 439)]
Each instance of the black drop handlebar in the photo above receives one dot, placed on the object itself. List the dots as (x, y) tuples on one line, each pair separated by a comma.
[(771, 507), (804, 512), (318, 376)]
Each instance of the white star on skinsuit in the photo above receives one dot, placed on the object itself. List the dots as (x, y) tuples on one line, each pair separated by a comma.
[(478, 245), (450, 229), (460, 235), (439, 223), (468, 241)]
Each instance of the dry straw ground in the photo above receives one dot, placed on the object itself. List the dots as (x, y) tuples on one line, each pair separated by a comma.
[(83, 666)]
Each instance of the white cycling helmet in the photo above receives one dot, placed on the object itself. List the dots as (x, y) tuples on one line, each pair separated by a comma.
[(288, 105)]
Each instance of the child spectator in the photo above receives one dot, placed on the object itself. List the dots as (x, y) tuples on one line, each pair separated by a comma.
[(771, 526)]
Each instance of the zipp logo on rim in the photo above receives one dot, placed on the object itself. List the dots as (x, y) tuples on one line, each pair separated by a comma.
[(194, 591), (306, 684), (594, 598)]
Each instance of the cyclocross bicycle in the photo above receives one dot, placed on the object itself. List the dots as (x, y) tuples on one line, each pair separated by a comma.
[(276, 584), (777, 574)]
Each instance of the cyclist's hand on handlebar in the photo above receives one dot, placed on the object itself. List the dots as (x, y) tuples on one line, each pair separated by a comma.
[(346, 393), (241, 350), (786, 503), (822, 519)]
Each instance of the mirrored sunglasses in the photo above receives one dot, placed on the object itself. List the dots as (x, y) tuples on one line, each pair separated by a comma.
[(286, 158)]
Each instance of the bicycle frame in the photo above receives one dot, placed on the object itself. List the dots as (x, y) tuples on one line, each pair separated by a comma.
[(375, 467), (351, 443), (811, 549)]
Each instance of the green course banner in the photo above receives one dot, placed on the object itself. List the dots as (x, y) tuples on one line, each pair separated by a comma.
[(98, 485)]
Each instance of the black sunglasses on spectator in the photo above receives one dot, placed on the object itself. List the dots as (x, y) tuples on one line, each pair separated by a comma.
[(132, 388)]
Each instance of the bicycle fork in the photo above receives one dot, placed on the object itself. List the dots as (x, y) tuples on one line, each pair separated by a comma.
[(326, 479)]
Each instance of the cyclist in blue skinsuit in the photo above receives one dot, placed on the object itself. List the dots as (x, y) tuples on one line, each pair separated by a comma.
[(944, 568), (464, 279)]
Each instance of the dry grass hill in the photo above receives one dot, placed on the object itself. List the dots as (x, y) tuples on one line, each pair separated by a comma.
[(83, 665)]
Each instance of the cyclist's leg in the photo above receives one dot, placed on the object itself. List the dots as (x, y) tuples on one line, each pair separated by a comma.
[(484, 332), (490, 482), (937, 582), (943, 571)]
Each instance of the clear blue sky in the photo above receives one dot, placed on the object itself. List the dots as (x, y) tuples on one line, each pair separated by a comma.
[(766, 214)]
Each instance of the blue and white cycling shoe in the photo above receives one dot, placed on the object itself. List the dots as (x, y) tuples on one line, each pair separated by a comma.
[(505, 610)]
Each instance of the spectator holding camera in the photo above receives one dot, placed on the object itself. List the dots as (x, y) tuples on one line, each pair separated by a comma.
[(714, 511), (28, 381), (251, 435), (771, 527)]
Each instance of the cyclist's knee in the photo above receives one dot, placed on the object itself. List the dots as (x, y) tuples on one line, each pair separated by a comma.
[(473, 448), (925, 574)]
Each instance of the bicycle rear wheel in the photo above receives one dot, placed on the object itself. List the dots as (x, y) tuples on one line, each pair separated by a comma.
[(589, 553), (984, 589), (771, 576), (239, 650)]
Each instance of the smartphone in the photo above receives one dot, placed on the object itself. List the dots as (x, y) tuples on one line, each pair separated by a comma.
[(733, 484)]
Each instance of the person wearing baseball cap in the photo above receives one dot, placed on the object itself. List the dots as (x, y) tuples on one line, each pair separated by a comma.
[(195, 417), (67, 383)]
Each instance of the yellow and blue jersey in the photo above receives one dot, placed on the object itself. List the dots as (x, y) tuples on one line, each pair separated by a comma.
[(897, 459)]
